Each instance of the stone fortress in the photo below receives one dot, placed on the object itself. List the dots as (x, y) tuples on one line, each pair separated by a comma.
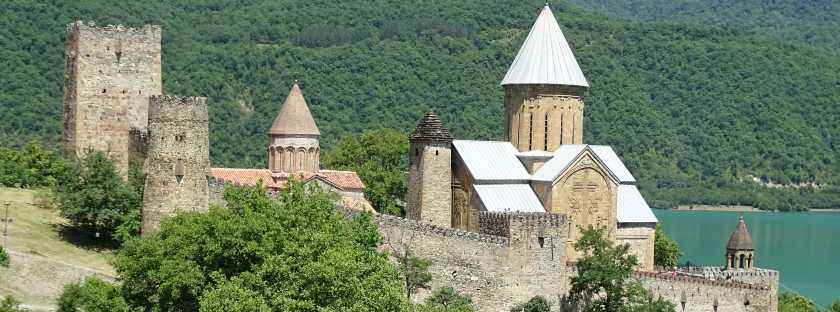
[(496, 218)]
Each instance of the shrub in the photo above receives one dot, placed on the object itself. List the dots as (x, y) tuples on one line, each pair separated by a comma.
[(4, 258)]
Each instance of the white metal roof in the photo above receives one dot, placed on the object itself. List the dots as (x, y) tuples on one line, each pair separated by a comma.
[(632, 207), (508, 198), (545, 57), (563, 157), (568, 153), (614, 163), (491, 160)]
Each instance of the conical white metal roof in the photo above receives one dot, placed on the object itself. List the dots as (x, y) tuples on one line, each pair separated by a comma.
[(545, 57)]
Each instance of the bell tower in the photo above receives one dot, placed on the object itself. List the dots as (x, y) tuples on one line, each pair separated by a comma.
[(544, 90), (740, 253)]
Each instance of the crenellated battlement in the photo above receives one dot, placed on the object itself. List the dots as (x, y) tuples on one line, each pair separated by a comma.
[(517, 224), (669, 277), (91, 27), (178, 108)]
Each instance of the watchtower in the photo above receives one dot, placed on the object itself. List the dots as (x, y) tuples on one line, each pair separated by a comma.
[(544, 90), (430, 173), (109, 74), (178, 159)]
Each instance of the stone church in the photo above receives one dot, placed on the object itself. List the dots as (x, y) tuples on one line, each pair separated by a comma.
[(542, 166), (497, 219)]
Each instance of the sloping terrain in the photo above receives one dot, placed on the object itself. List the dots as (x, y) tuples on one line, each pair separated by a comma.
[(42, 261)]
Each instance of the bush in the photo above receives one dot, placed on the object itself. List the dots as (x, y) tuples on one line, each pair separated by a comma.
[(31, 166), (536, 304), (4, 258), (92, 295), (446, 300), (96, 199), (666, 252), (9, 304)]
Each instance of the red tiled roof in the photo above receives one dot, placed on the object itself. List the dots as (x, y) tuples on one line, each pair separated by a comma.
[(247, 177), (345, 180)]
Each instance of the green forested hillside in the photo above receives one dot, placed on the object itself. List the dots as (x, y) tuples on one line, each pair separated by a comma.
[(815, 22), (694, 110)]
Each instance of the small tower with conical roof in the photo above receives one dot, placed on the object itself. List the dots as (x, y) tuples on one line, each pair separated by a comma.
[(544, 90), (429, 195), (293, 144), (739, 251)]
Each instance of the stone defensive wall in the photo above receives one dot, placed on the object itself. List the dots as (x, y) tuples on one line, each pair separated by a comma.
[(493, 270), (694, 293)]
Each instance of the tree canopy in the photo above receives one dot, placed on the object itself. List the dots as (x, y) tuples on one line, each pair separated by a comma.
[(293, 253), (603, 282), (702, 113)]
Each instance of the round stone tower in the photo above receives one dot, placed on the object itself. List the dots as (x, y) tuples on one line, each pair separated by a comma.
[(740, 253), (178, 159), (544, 90), (293, 144)]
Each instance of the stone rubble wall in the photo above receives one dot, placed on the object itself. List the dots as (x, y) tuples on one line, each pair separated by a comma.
[(110, 72), (178, 159), (701, 294), (484, 267)]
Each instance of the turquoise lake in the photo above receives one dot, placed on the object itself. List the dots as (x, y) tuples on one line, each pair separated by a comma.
[(803, 247)]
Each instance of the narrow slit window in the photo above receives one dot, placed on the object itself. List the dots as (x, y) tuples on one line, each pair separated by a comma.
[(530, 131), (545, 135)]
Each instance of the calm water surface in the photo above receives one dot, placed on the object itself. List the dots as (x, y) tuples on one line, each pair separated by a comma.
[(803, 247)]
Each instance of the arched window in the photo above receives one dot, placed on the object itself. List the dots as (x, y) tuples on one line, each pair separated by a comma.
[(741, 261), (749, 262)]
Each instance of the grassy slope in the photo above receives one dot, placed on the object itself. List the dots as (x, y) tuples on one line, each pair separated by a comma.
[(34, 232)]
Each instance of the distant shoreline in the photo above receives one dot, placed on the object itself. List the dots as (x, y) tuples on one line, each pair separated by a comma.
[(737, 208)]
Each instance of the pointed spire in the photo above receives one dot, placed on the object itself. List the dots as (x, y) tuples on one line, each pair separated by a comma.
[(740, 239), (545, 57), (431, 128), (294, 117)]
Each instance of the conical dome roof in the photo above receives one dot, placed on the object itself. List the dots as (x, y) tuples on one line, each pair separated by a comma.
[(431, 128), (545, 57), (294, 117), (740, 239)]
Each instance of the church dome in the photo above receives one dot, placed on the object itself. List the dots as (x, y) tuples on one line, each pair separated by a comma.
[(740, 239), (294, 118)]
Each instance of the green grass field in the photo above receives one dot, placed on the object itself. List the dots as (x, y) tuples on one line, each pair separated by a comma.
[(43, 259)]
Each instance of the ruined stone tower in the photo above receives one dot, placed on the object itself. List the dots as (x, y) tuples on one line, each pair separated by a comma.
[(740, 251), (178, 159), (544, 90), (110, 72), (293, 138), (430, 174)]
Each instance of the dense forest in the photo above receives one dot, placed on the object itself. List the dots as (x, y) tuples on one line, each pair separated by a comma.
[(696, 109), (813, 22)]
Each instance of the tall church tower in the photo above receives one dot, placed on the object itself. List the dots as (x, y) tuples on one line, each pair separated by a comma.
[(429, 195), (293, 144), (544, 90)]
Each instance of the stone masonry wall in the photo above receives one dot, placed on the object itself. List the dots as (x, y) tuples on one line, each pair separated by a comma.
[(700, 294), (430, 183), (110, 72), (640, 237), (541, 117), (495, 273), (178, 159)]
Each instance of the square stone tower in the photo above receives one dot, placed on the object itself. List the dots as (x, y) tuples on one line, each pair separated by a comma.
[(429, 197), (110, 73)]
